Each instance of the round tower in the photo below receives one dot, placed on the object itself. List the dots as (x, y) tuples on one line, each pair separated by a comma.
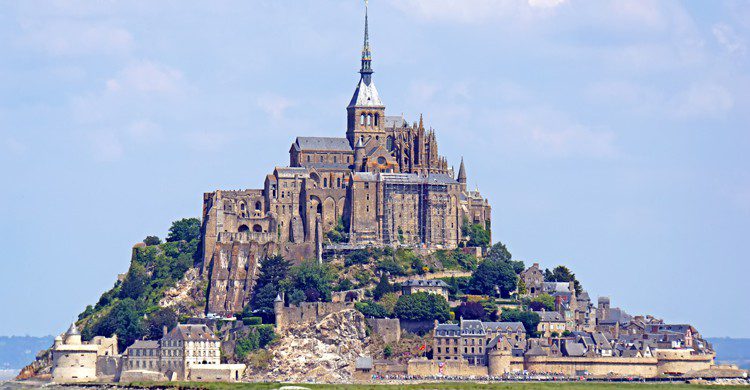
[(359, 156)]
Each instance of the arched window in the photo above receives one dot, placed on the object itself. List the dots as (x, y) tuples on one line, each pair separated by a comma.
[(242, 206), (325, 182), (369, 119), (258, 205), (377, 119), (308, 158), (338, 182), (243, 228), (257, 228), (334, 159), (362, 119)]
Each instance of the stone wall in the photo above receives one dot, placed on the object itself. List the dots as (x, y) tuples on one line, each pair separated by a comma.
[(425, 367), (306, 313), (389, 329), (216, 372), (141, 376), (679, 362), (595, 366), (108, 366)]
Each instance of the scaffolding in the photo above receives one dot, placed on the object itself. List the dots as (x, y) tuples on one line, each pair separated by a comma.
[(431, 200)]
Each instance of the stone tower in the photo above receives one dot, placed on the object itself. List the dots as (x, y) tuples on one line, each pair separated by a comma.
[(462, 175), (366, 112)]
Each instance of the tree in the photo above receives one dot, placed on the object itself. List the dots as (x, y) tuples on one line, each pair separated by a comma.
[(562, 274), (186, 229), (529, 319), (371, 309), (313, 279), (521, 288), (135, 282), (470, 311), (422, 306), (492, 275), (273, 270), (388, 302), (499, 252), (543, 301), (151, 240), (383, 287), (157, 320), (124, 320), (478, 234)]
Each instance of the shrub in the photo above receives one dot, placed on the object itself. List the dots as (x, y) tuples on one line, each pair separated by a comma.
[(151, 240), (371, 309), (422, 306), (252, 320)]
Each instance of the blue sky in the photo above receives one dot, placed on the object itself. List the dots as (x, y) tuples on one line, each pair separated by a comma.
[(609, 136)]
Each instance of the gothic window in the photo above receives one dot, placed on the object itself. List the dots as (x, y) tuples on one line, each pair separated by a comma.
[(389, 143), (257, 228), (325, 182), (338, 182), (377, 117), (242, 206), (334, 159), (309, 158), (362, 119), (258, 205), (369, 119), (320, 159)]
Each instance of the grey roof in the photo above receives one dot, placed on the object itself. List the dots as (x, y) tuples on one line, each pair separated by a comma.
[(574, 349), (336, 144), (440, 178), (72, 330), (365, 95), (144, 344), (615, 314), (535, 350), (363, 363), (550, 316), (556, 286), (472, 327), (601, 340), (328, 166), (190, 332), (424, 282), (504, 326), (394, 122), (448, 330)]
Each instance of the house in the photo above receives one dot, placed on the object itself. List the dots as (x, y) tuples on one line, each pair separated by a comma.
[(550, 322), (431, 286)]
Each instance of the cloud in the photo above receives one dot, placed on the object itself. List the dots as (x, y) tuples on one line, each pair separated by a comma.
[(728, 39), (106, 145), (475, 11), (73, 38), (703, 100), (274, 105), (146, 76), (551, 134)]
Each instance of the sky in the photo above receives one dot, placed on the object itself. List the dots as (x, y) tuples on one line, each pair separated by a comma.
[(611, 137)]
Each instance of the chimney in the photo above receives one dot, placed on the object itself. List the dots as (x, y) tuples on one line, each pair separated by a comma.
[(164, 331)]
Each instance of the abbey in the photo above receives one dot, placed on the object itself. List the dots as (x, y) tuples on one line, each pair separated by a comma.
[(385, 183)]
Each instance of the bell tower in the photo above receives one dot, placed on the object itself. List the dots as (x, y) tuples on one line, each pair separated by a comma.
[(366, 112)]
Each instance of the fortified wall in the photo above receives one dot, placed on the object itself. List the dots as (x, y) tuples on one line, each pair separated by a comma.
[(305, 313)]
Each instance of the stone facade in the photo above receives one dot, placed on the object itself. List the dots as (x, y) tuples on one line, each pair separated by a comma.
[(76, 361), (385, 182), (305, 312)]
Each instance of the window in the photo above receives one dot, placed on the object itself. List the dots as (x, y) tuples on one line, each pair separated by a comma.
[(338, 182), (362, 119), (334, 159), (325, 182), (308, 158)]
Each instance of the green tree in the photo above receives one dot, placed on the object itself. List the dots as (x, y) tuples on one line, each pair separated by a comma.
[(157, 320), (313, 279), (273, 270), (499, 252), (543, 301), (470, 311), (494, 275), (383, 287), (371, 309), (478, 235), (186, 229), (387, 351), (151, 240), (422, 306), (521, 288), (388, 302), (124, 320), (562, 274), (135, 283), (529, 319)]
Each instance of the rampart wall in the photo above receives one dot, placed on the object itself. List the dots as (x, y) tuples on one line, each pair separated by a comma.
[(307, 313)]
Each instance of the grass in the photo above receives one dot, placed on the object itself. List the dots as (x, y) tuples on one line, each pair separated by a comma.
[(436, 386)]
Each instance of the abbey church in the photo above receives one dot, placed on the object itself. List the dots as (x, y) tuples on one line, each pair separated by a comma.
[(385, 183)]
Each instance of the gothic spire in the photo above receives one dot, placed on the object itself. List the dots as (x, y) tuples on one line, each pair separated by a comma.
[(462, 173), (366, 70)]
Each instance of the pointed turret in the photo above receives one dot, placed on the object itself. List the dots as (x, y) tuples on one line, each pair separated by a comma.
[(462, 175)]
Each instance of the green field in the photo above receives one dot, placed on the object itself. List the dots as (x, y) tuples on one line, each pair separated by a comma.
[(442, 385)]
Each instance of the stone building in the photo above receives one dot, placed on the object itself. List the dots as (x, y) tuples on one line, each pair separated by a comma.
[(431, 286), (187, 352), (472, 340), (384, 182), (76, 361)]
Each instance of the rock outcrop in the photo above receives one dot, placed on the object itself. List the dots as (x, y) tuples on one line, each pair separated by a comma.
[(325, 352)]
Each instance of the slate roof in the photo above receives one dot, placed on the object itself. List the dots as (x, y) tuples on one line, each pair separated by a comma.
[(424, 282), (190, 332), (144, 344), (448, 330), (503, 326), (574, 349), (394, 122), (334, 144), (556, 286), (535, 350), (550, 316), (328, 166), (440, 178), (366, 95)]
